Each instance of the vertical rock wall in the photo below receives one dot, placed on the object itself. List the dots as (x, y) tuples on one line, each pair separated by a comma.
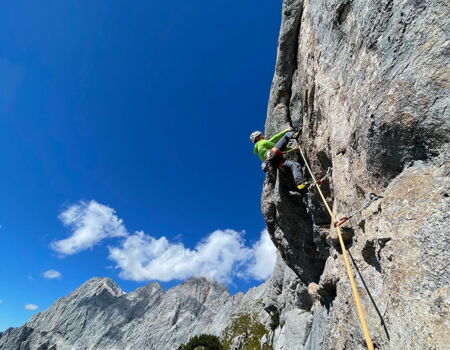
[(369, 83)]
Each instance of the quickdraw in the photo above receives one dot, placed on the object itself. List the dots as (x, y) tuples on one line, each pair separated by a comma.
[(323, 179), (372, 198)]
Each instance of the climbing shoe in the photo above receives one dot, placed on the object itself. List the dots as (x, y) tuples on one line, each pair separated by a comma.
[(296, 135), (303, 185)]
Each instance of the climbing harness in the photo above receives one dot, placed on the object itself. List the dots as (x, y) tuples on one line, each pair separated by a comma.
[(346, 260), (275, 158), (273, 152), (372, 198)]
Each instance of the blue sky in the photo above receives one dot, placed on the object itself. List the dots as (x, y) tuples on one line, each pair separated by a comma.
[(139, 111)]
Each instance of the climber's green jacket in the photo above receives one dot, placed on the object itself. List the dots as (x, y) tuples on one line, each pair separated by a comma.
[(263, 146)]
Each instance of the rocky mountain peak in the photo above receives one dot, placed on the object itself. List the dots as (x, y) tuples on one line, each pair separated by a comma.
[(148, 290), (201, 289), (99, 315), (197, 283), (96, 286)]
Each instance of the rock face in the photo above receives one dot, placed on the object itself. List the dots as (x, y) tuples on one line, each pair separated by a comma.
[(369, 84)]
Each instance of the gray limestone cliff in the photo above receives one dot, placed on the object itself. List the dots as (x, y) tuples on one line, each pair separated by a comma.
[(369, 83)]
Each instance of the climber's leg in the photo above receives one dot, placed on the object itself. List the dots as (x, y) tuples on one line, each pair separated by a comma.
[(296, 173), (282, 143)]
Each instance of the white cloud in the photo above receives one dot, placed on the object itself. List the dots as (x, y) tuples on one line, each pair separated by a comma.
[(222, 255), (264, 258), (90, 222), (51, 274), (31, 307), (219, 256)]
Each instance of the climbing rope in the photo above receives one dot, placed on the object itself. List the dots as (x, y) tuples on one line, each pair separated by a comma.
[(346, 260)]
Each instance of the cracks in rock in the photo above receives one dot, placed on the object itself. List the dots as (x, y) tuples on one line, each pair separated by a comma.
[(286, 66), (305, 301), (312, 95), (383, 322), (325, 162), (274, 318), (46, 346), (371, 252), (305, 103), (362, 226), (294, 61), (360, 192), (347, 235), (309, 112), (379, 26), (401, 70), (327, 292), (176, 315), (443, 112), (322, 167), (308, 330), (85, 319), (342, 12)]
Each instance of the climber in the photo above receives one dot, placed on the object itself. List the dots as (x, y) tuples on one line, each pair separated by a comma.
[(271, 153)]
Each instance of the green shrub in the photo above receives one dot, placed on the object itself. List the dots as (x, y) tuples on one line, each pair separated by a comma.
[(202, 342)]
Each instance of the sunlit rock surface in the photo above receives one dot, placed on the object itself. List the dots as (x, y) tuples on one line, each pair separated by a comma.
[(369, 83)]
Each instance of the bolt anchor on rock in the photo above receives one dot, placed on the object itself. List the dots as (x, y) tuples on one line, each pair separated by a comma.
[(372, 198)]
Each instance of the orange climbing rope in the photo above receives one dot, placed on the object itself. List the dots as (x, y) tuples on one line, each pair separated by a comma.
[(346, 260)]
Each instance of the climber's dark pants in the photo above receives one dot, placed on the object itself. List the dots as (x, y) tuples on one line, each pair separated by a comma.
[(279, 161), (296, 171), (283, 142)]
